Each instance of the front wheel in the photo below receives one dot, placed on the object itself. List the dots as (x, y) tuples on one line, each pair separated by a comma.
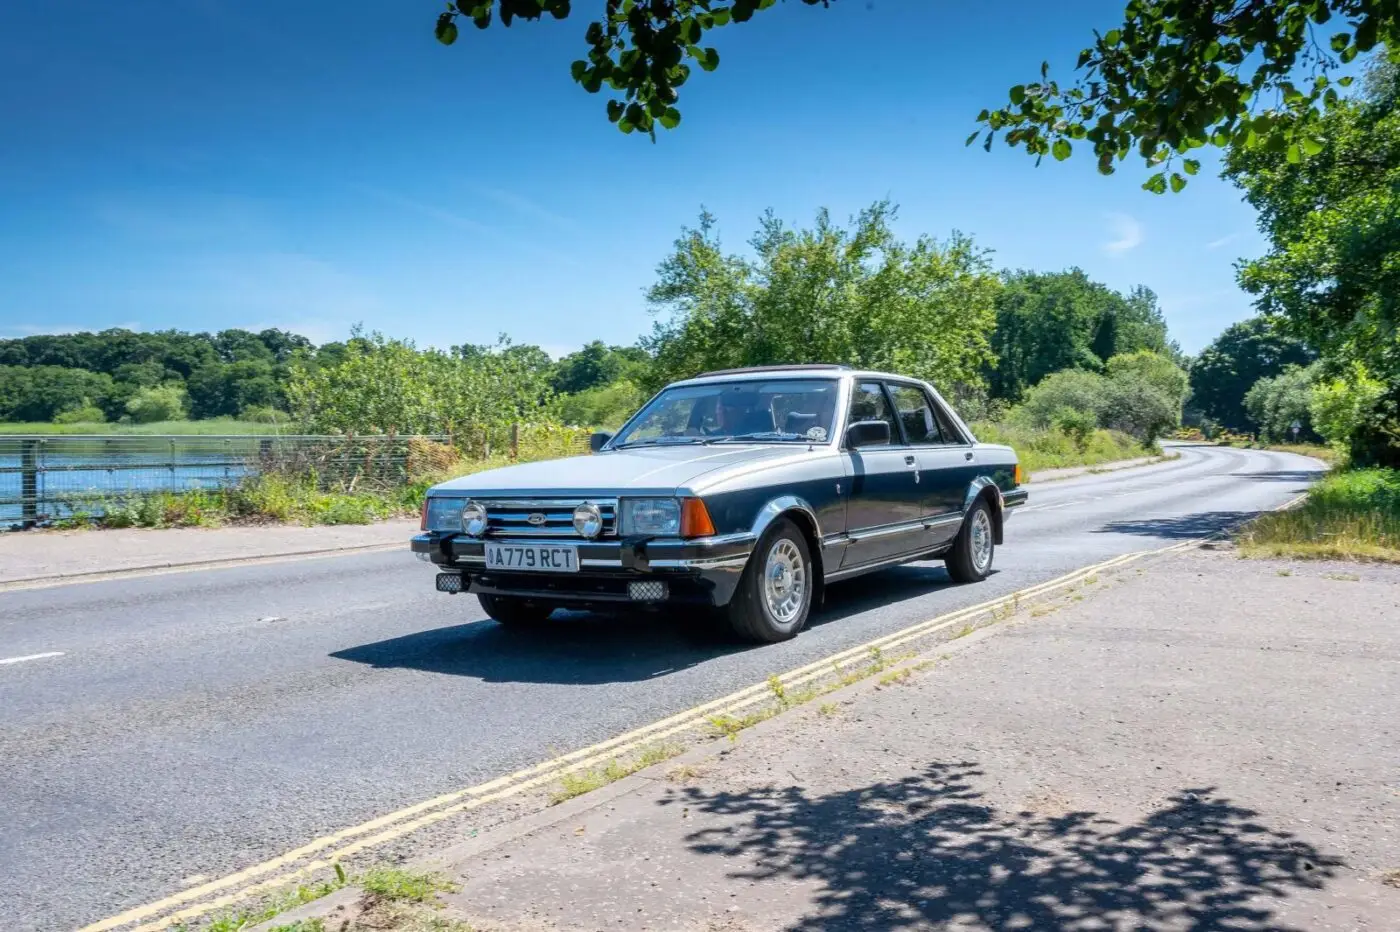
[(775, 594), (514, 612), (971, 557)]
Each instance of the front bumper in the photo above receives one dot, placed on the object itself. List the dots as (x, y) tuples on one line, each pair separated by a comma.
[(704, 571)]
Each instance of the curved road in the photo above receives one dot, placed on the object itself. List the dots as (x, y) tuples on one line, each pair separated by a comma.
[(196, 723)]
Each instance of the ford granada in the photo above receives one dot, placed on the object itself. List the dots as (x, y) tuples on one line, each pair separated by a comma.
[(745, 492)]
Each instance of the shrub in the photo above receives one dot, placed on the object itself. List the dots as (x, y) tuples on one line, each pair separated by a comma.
[(264, 414), (1153, 368), (1071, 389), (161, 403), (1276, 403), (1136, 407), (1078, 426), (84, 414)]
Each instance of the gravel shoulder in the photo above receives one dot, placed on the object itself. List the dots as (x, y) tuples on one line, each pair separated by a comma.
[(1195, 742)]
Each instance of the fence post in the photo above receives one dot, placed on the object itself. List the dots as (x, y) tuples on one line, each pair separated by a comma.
[(29, 483), (515, 440)]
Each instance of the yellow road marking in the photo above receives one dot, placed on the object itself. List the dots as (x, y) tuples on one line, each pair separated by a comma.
[(404, 821)]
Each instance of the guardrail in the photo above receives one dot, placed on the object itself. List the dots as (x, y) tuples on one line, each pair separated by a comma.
[(44, 477)]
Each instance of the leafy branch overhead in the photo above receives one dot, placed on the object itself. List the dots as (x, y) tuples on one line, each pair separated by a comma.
[(640, 48), (1178, 75)]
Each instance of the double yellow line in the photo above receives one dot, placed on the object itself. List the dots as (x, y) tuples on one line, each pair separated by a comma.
[(329, 849)]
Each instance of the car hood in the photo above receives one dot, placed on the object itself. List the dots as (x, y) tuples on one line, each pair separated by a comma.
[(661, 470)]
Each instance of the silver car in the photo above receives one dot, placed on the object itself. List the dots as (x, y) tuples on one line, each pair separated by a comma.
[(746, 491)]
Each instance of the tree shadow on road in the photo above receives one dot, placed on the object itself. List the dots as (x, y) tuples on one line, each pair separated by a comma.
[(1180, 527), (589, 648), (926, 850)]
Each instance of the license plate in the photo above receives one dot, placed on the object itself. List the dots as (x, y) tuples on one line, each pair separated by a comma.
[(532, 558)]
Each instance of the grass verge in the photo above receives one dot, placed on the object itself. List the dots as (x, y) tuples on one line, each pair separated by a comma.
[(586, 781), (1349, 515), (1054, 449)]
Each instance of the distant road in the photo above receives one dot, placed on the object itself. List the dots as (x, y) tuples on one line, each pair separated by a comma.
[(159, 728)]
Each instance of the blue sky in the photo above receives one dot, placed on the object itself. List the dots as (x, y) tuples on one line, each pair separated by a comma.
[(203, 164)]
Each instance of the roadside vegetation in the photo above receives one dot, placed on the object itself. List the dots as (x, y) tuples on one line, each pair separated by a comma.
[(1349, 515)]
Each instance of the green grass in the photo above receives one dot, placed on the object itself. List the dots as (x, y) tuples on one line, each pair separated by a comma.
[(586, 781), (1349, 515), (1053, 449), (215, 426), (399, 885), (275, 905)]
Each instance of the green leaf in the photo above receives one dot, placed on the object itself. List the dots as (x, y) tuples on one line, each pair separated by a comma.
[(1340, 41), (708, 59), (1178, 182), (1061, 149), (1157, 184), (446, 29), (1190, 166), (1294, 154), (671, 118), (690, 30), (1112, 37), (973, 138), (1018, 94), (578, 69), (1312, 145), (1212, 51), (1346, 81)]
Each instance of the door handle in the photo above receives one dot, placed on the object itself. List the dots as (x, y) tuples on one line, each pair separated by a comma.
[(967, 455), (909, 461)]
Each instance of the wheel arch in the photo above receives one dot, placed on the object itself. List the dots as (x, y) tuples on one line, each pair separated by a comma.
[(984, 488), (800, 513)]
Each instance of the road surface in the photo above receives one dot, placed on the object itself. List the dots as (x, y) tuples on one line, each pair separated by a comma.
[(159, 729)]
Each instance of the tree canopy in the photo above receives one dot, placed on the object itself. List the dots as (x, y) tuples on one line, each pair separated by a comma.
[(1228, 368), (828, 293), (1174, 76)]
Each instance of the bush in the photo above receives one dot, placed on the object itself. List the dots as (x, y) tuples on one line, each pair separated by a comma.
[(1078, 426), (1276, 403), (264, 414), (1071, 389), (1134, 406), (85, 414), (603, 406), (1154, 369), (1053, 449), (161, 403), (1346, 411)]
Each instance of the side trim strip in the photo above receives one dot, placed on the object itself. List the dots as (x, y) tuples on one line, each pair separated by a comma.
[(848, 571)]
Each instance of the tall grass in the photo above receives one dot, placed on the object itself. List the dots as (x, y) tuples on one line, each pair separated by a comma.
[(1349, 515), (1054, 449), (217, 425)]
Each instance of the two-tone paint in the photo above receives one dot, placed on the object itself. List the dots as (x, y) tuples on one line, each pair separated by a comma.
[(861, 509)]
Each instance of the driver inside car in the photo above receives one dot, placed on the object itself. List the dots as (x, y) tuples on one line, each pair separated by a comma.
[(736, 413)]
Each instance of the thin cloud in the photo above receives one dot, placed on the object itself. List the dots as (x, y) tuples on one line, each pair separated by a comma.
[(528, 207), (1224, 240), (1127, 234)]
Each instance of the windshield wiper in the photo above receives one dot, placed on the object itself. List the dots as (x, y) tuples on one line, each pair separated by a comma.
[(758, 435), (658, 441)]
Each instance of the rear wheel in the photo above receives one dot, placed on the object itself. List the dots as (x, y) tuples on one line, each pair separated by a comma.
[(515, 612), (971, 557), (774, 596)]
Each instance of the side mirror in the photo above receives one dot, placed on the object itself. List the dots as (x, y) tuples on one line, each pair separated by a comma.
[(599, 440), (868, 434)]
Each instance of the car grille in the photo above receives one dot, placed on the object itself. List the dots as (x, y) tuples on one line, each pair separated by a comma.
[(551, 518)]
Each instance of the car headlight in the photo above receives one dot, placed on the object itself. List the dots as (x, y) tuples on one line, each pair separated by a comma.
[(658, 516), (588, 520), (474, 519), (442, 514)]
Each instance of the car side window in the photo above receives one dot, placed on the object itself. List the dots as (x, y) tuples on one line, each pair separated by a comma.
[(868, 404), (951, 435), (916, 414)]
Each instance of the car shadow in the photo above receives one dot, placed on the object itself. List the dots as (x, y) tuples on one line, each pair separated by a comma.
[(585, 648)]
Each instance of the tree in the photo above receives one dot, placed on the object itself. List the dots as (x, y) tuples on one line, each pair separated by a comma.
[(1067, 390), (1249, 75), (854, 295), (1246, 352), (39, 393), (1277, 403), (1153, 369), (1331, 274)]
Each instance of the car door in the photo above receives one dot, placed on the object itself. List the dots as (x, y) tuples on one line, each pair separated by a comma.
[(942, 455), (883, 509)]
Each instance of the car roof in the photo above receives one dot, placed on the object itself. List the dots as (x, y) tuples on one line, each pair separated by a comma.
[(807, 371)]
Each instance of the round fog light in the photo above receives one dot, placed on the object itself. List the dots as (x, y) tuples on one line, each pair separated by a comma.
[(588, 520)]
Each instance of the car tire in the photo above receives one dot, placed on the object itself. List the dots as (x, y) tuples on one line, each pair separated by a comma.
[(774, 596), (513, 612), (975, 546)]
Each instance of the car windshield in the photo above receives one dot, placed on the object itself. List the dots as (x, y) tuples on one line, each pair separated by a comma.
[(749, 411)]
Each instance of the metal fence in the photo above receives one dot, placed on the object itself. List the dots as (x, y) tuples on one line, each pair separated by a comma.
[(49, 477)]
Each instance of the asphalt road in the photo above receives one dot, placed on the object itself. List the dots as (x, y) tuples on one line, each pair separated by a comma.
[(191, 724)]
